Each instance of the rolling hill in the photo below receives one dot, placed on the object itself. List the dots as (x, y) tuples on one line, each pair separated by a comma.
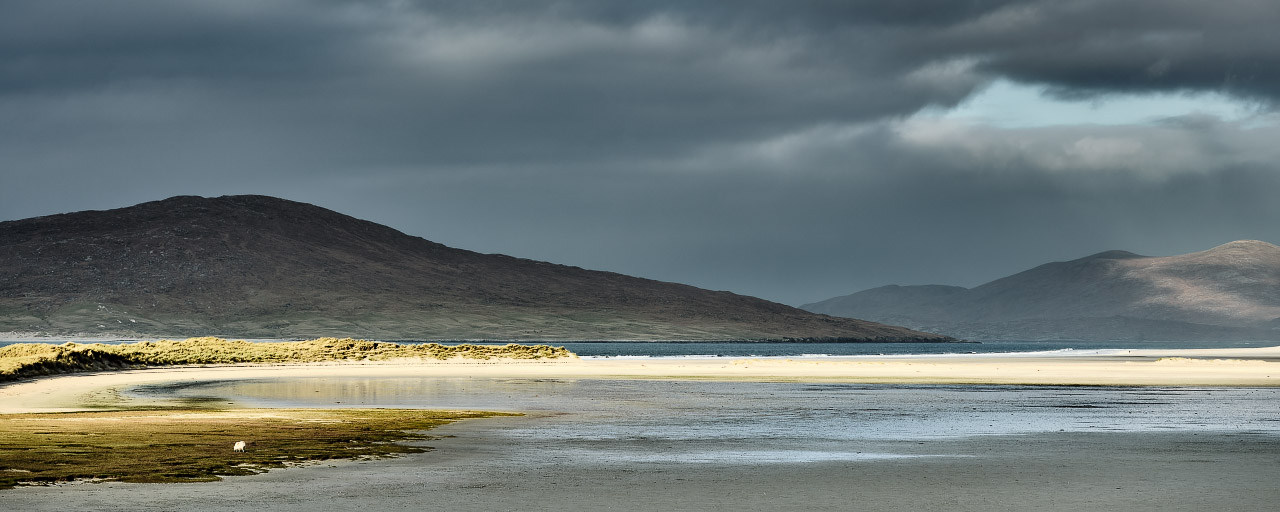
[(262, 267), (1228, 292)]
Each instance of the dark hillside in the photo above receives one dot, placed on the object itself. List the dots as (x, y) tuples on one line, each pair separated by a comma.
[(258, 266)]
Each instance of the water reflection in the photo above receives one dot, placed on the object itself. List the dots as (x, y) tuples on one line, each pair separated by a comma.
[(663, 422), (612, 410)]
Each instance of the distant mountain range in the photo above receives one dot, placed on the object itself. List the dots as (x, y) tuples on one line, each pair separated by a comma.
[(254, 266), (1228, 292)]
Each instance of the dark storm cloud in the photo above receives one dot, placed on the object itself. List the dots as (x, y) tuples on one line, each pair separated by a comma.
[(629, 78), (1100, 46), (57, 46), (760, 146), (319, 87), (480, 81)]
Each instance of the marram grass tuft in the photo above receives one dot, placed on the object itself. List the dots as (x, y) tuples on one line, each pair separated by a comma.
[(28, 360)]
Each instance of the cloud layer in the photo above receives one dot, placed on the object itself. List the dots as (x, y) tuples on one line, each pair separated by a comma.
[(781, 149)]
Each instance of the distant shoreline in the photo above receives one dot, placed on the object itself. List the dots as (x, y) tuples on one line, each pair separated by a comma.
[(34, 338)]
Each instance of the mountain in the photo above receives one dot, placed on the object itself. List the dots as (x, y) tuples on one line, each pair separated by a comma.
[(1228, 292), (254, 266)]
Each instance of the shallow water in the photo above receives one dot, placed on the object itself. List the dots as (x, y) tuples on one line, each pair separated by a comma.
[(628, 422), (661, 445)]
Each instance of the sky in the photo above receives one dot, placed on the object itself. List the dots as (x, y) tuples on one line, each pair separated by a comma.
[(792, 150)]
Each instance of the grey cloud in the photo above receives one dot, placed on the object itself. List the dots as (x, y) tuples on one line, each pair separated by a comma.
[(1088, 47), (399, 84), (57, 47)]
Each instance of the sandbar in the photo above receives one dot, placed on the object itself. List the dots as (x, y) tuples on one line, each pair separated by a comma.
[(1236, 367)]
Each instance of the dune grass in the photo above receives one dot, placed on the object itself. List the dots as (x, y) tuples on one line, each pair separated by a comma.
[(35, 359), (192, 445)]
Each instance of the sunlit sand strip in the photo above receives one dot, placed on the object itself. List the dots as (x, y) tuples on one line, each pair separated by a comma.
[(1211, 367)]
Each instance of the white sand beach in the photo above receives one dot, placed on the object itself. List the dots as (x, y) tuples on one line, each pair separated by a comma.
[(1239, 367)]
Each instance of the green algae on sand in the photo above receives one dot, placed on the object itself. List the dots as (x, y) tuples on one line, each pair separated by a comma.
[(192, 445)]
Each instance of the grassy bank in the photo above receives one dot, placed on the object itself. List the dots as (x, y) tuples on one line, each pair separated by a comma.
[(35, 359), (196, 445)]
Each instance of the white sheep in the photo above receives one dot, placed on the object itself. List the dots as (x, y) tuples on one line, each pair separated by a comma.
[(239, 447)]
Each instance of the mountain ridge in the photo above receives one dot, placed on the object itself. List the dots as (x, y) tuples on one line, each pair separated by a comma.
[(258, 266), (1231, 291)]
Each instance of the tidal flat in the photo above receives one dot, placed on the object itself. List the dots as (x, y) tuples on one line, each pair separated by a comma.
[(591, 444)]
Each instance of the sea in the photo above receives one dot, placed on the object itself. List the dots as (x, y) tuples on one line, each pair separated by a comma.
[(770, 349), (614, 349)]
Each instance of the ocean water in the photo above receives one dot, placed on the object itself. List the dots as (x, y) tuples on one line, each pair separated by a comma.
[(740, 349), (731, 349)]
